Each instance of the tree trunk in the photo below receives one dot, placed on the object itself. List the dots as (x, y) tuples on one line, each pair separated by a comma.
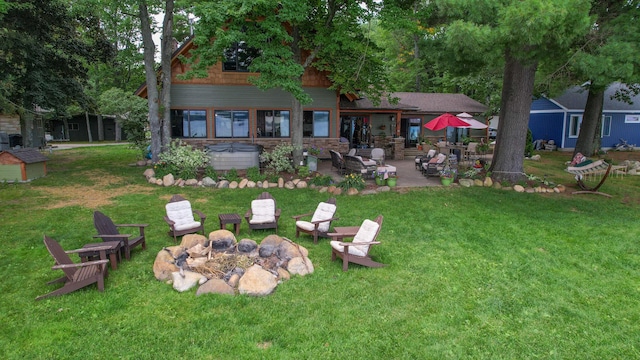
[(517, 91), (165, 60), (591, 121), (86, 117), (100, 128), (152, 84), (296, 130)]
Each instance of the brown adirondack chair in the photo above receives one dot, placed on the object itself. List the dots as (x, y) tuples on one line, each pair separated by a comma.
[(108, 231), (76, 275), (180, 218), (264, 213), (357, 251), (320, 220)]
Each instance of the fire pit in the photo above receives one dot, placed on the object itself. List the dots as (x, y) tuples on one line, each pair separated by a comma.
[(219, 264)]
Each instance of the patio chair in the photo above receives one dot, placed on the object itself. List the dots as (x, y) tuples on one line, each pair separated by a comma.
[(76, 275), (337, 161), (264, 213), (180, 218), (355, 164), (421, 159), (108, 231), (352, 152), (357, 251), (320, 220), (377, 155), (471, 150), (434, 165)]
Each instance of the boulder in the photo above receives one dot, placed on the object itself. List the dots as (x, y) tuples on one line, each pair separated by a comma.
[(215, 286), (189, 280), (222, 240), (466, 182), (257, 282), (149, 173), (164, 265), (191, 240), (518, 188), (168, 180), (300, 266)]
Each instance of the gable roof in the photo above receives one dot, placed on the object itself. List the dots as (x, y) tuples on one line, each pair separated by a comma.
[(27, 155), (575, 98), (427, 103)]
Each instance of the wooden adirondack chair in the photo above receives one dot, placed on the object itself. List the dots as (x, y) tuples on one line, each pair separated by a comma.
[(357, 251), (108, 231), (76, 275), (264, 213), (320, 221), (180, 218)]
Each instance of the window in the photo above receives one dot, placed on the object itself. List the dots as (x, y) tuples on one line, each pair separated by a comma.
[(189, 123), (606, 126), (238, 57), (232, 123), (634, 119), (315, 123), (574, 125), (74, 127), (273, 123)]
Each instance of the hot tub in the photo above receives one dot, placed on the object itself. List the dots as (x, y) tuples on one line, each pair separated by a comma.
[(239, 156)]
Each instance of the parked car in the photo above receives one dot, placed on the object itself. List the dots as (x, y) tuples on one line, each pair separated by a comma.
[(493, 133)]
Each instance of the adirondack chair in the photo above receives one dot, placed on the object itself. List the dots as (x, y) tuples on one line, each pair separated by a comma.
[(357, 251), (264, 213), (108, 231), (76, 275), (180, 218), (320, 220)]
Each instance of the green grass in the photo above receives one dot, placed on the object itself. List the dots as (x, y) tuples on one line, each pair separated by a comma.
[(472, 273)]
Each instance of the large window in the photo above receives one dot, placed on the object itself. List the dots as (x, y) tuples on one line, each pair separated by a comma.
[(273, 123), (74, 127), (189, 123), (574, 125), (238, 57), (606, 126), (232, 124), (315, 123)]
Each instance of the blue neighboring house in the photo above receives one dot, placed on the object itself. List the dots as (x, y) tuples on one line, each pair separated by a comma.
[(559, 119)]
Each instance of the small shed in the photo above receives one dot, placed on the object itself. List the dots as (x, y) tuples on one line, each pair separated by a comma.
[(23, 164)]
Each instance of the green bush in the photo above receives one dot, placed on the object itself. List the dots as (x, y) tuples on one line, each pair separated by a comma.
[(303, 171), (352, 181), (232, 175), (321, 180), (279, 160), (182, 160), (211, 172), (253, 174)]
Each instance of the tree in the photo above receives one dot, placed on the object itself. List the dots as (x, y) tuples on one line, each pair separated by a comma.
[(130, 111), (608, 53), (524, 33), (293, 36)]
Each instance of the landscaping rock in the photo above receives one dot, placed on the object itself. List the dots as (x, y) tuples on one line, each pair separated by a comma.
[(257, 282), (466, 182), (223, 184), (168, 180), (233, 185), (149, 173), (518, 188), (352, 191), (208, 182), (478, 182), (189, 280), (487, 182), (301, 184), (243, 183), (215, 286), (300, 266)]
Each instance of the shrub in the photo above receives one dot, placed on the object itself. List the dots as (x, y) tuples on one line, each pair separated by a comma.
[(253, 174), (232, 175), (303, 171), (182, 160), (279, 160), (211, 172), (352, 181), (321, 180)]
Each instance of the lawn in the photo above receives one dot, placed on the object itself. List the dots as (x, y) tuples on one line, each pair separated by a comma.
[(473, 273)]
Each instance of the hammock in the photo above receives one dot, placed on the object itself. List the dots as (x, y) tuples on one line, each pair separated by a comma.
[(597, 169)]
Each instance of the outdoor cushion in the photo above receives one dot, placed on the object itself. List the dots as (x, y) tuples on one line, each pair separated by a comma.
[(438, 159), (324, 211), (263, 211), (366, 234), (181, 214)]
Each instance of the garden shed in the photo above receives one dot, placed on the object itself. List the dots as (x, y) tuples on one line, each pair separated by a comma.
[(23, 164)]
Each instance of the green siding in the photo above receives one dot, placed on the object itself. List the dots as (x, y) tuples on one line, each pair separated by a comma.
[(10, 173), (244, 97), (35, 170)]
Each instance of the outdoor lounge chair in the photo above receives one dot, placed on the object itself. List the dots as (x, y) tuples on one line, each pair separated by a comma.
[(377, 155), (422, 159), (357, 251), (180, 218), (337, 161), (76, 275), (108, 231), (320, 221), (355, 164), (264, 213), (471, 150), (433, 166)]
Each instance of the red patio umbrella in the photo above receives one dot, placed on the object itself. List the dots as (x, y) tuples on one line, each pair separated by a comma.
[(444, 121)]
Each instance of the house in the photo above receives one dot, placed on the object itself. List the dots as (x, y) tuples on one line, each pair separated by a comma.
[(75, 129), (559, 119), (23, 164), (225, 107)]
